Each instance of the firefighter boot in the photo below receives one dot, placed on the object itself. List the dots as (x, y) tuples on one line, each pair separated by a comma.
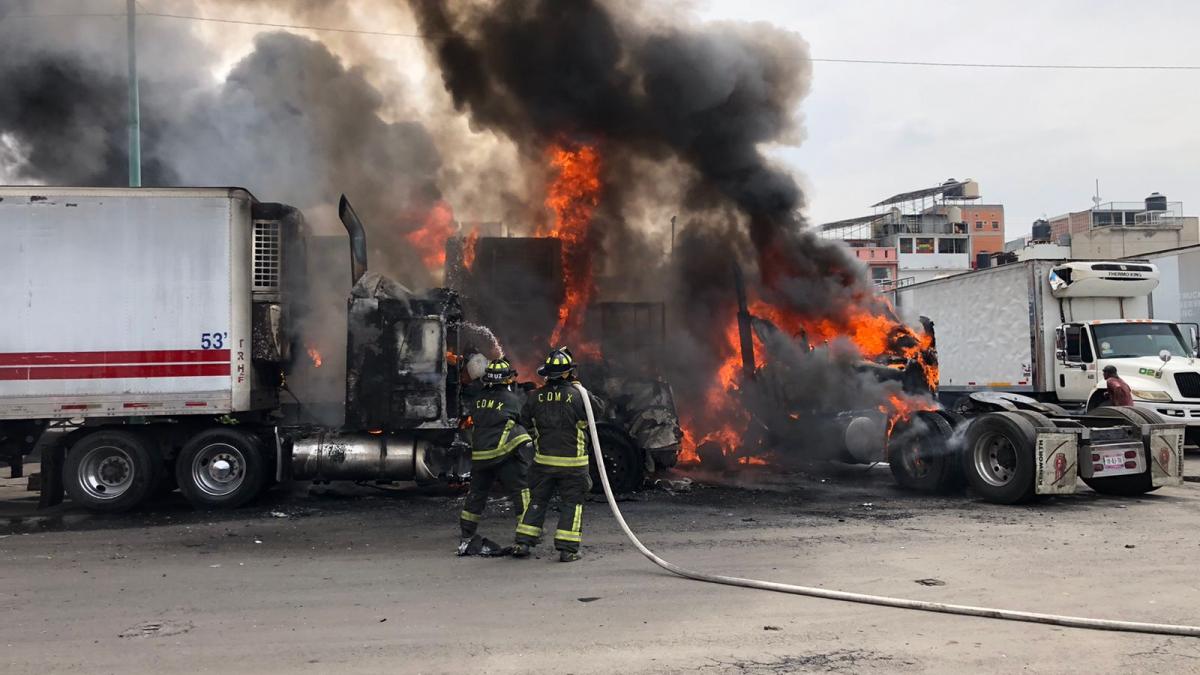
[(569, 556), (520, 551)]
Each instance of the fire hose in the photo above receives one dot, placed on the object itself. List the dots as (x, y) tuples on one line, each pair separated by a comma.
[(862, 598)]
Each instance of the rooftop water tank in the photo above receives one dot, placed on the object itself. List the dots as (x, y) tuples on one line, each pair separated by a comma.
[(1041, 230), (1156, 202)]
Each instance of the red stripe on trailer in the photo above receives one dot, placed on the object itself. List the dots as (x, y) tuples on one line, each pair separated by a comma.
[(74, 406), (103, 372), (136, 405), (196, 404), (106, 358)]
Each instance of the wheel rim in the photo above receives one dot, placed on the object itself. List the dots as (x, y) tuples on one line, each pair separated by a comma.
[(995, 459), (218, 469), (614, 462), (912, 460), (106, 472)]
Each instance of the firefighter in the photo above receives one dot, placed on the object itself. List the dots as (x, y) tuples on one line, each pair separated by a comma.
[(554, 413), (496, 439)]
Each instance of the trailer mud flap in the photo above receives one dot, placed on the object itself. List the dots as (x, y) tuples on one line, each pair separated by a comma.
[(1057, 457), (1166, 456)]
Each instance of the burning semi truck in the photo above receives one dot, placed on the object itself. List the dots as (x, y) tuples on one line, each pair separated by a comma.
[(151, 333), (1007, 446)]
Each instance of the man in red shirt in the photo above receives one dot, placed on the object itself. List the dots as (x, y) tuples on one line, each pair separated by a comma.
[(1118, 391)]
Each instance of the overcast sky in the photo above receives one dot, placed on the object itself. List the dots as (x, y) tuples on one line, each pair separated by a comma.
[(1035, 140)]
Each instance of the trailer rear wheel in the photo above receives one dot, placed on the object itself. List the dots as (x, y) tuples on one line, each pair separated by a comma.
[(1130, 485), (999, 457), (221, 468), (110, 471), (920, 457)]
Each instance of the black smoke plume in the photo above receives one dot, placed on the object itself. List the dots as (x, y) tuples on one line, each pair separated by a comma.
[(700, 101)]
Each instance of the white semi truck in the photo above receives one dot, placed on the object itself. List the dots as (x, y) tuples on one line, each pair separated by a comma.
[(147, 334), (1048, 329)]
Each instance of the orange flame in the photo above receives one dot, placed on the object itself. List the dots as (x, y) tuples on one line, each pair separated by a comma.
[(468, 254), (875, 334), (315, 356), (430, 239), (573, 196), (901, 408)]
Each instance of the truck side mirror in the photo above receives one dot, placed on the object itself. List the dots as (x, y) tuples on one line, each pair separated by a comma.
[(1165, 355), (1061, 355), (1193, 338)]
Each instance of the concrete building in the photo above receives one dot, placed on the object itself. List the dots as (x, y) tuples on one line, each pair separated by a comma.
[(1123, 229), (985, 224), (932, 232), (880, 261)]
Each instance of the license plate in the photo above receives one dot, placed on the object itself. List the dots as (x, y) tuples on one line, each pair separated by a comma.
[(1114, 462)]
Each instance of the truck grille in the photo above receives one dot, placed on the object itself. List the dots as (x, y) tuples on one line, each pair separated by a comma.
[(1189, 384), (266, 255)]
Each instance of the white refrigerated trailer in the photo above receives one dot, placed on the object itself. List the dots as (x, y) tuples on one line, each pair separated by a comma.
[(1048, 329)]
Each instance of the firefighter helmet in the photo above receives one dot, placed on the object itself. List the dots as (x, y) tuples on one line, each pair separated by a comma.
[(558, 364), (499, 371)]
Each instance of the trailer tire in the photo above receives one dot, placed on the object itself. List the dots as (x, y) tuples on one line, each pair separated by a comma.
[(221, 468), (1037, 419), (925, 463), (111, 471), (1125, 486), (998, 459)]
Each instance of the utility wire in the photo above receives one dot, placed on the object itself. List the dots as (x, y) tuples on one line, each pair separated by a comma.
[(417, 36), (1037, 66)]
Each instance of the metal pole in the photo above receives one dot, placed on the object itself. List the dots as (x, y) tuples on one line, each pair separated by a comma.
[(672, 235), (135, 116)]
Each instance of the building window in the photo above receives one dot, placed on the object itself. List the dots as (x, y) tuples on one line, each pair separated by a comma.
[(979, 224), (924, 244), (995, 224), (906, 245), (880, 274), (947, 245)]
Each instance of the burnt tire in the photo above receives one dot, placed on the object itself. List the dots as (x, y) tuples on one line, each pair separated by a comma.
[(1131, 485), (626, 471), (920, 456), (221, 468), (998, 458), (111, 471)]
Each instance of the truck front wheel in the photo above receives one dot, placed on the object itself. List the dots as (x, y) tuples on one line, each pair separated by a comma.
[(999, 458), (920, 456), (110, 471), (221, 468)]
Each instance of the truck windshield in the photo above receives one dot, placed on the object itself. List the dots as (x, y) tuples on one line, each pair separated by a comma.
[(1128, 340)]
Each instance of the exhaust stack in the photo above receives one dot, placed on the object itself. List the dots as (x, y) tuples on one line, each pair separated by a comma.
[(358, 239), (744, 324)]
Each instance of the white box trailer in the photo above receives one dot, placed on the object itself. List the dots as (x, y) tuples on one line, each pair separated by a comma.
[(119, 303), (1048, 329)]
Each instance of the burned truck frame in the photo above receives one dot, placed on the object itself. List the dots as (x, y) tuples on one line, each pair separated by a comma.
[(515, 286), (215, 425)]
